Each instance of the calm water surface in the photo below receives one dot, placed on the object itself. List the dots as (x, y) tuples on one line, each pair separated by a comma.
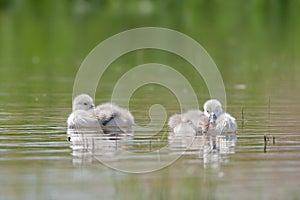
[(37, 161)]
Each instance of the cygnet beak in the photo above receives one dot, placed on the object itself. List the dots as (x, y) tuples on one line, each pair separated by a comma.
[(212, 118), (92, 106)]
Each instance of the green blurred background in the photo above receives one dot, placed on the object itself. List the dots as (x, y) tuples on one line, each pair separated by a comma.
[(249, 40)]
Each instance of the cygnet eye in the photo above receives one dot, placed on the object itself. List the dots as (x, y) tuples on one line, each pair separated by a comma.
[(189, 122), (85, 104)]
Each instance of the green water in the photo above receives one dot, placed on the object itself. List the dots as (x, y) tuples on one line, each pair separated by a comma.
[(255, 45)]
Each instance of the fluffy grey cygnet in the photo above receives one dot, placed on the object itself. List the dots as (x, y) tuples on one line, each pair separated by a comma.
[(108, 117), (114, 118), (83, 115), (192, 122), (219, 121)]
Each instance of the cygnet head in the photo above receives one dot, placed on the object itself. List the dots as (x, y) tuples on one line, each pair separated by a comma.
[(83, 102), (212, 109)]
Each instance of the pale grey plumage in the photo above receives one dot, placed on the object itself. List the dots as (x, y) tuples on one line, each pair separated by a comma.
[(220, 121), (193, 122), (107, 117), (82, 102), (114, 118), (83, 116)]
